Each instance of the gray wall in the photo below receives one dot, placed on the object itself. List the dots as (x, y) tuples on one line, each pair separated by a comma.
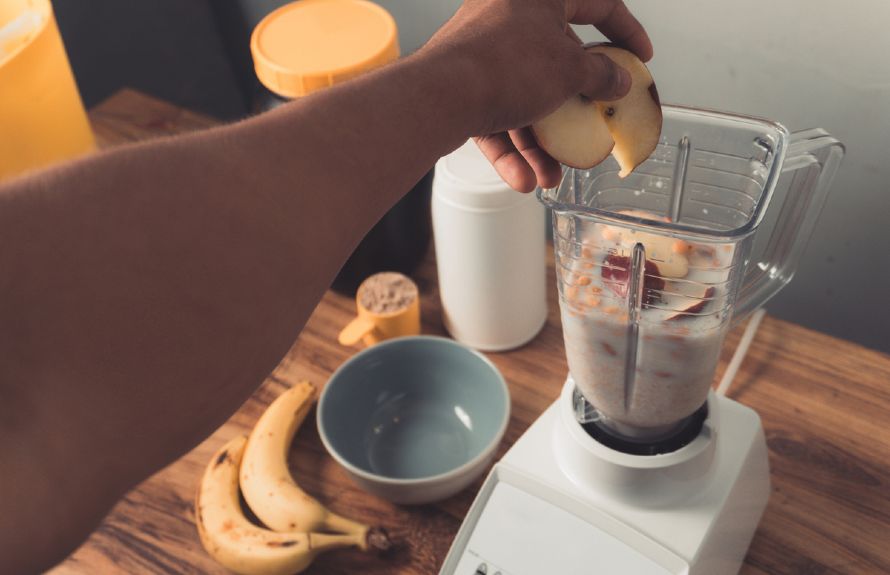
[(805, 63)]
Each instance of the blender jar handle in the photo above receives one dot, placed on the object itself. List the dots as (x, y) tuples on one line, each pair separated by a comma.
[(813, 156)]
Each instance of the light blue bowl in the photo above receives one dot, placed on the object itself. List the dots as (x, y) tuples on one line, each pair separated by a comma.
[(414, 419)]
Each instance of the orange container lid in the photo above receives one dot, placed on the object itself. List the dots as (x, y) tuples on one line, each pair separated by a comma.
[(312, 44)]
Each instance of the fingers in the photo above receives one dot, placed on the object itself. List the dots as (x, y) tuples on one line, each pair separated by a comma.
[(519, 161), (600, 78), (548, 171), (508, 161), (626, 31), (614, 20)]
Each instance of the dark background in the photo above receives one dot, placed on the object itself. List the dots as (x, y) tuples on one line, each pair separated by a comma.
[(194, 53)]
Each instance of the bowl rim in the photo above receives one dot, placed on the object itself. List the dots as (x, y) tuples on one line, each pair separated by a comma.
[(463, 468)]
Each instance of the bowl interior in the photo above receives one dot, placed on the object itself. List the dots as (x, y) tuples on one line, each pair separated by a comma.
[(413, 407)]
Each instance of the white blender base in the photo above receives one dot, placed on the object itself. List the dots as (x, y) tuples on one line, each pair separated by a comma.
[(560, 502)]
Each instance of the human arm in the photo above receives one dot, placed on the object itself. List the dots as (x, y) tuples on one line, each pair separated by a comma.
[(145, 292)]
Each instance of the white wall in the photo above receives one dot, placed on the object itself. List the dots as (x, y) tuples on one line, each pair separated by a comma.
[(805, 63)]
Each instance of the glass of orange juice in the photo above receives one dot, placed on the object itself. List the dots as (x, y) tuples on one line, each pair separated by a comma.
[(42, 119)]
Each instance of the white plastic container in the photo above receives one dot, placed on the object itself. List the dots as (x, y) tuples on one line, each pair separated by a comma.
[(490, 252)]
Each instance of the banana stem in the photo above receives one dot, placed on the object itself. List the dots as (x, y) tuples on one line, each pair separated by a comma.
[(320, 542), (338, 524)]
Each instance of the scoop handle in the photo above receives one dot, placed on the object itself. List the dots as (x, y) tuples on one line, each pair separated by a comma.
[(355, 330)]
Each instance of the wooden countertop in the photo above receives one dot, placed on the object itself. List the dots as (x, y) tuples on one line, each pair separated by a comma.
[(825, 405)]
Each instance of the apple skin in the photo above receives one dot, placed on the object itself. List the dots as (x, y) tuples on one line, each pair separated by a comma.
[(659, 248), (696, 307), (616, 271)]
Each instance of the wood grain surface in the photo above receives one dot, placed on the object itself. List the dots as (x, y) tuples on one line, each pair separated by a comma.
[(825, 405)]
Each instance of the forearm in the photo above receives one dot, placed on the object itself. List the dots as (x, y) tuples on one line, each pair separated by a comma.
[(162, 282), (145, 293)]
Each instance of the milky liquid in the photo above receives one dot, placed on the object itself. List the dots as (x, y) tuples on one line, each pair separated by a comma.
[(677, 352)]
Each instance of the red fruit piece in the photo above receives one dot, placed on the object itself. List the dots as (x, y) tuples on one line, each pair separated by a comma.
[(616, 269), (695, 307)]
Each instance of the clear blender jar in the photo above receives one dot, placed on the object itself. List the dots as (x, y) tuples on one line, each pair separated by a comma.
[(653, 269)]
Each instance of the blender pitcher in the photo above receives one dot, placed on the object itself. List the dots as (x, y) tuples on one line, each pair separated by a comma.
[(654, 268)]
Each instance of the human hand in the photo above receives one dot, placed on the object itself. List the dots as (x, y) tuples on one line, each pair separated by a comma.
[(528, 61)]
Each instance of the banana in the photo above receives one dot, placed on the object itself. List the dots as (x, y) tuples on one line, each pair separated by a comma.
[(266, 481), (240, 545)]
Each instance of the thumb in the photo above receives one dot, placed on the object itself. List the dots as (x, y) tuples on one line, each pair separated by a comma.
[(599, 78)]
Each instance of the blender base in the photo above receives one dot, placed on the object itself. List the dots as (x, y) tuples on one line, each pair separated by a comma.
[(560, 502)]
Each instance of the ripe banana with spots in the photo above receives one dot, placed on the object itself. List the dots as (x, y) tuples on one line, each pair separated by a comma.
[(266, 481), (238, 544)]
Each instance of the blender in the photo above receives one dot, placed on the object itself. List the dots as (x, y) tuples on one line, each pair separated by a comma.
[(639, 466)]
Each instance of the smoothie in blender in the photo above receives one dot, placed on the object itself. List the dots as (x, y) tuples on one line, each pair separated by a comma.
[(681, 324)]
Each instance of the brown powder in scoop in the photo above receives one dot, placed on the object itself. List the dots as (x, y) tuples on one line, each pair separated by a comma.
[(387, 292)]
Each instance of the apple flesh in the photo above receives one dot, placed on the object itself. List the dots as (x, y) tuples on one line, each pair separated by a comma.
[(574, 134), (635, 120), (669, 253), (696, 307), (582, 133), (662, 250)]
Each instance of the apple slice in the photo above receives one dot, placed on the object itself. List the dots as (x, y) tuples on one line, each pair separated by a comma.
[(616, 271), (581, 133), (696, 307), (575, 134), (668, 252), (635, 120)]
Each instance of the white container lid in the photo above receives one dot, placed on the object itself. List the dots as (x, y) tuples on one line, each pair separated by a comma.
[(466, 178)]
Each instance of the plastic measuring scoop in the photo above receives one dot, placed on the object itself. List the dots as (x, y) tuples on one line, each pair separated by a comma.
[(373, 326)]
